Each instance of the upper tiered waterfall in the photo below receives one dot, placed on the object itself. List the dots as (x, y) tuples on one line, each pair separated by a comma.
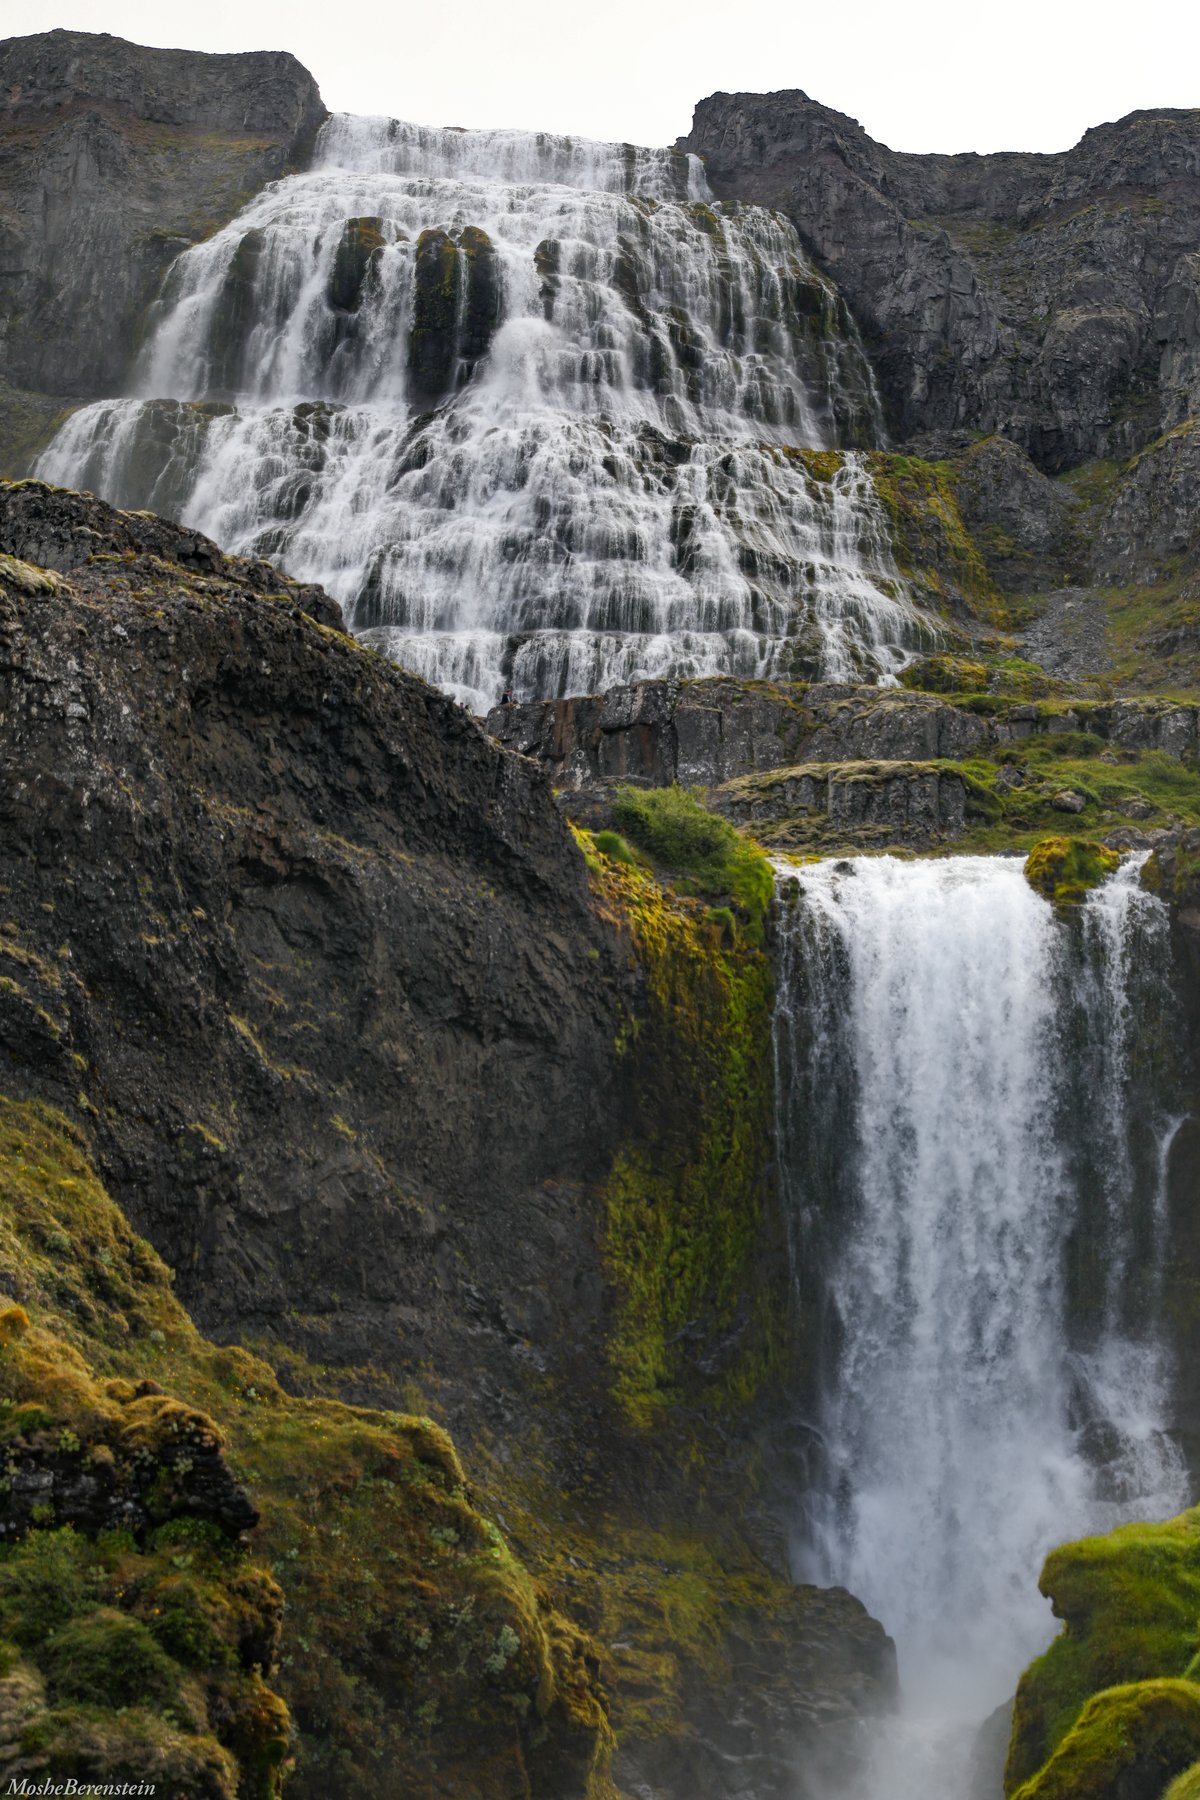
[(974, 1135), (530, 407)]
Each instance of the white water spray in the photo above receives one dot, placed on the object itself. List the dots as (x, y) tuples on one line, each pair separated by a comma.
[(529, 407), (976, 1191)]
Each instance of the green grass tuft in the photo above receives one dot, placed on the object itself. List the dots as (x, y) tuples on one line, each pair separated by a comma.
[(703, 854)]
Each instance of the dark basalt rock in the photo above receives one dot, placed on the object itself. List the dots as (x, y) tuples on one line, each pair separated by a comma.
[(433, 336), (837, 805), (715, 731), (332, 954), (55, 528), (1050, 298), (360, 239), (319, 965), (233, 317)]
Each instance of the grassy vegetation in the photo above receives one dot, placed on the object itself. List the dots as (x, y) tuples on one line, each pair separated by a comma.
[(1146, 787), (701, 853)]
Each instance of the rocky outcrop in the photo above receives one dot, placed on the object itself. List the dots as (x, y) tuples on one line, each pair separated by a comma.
[(1050, 298), (706, 733), (1148, 533), (362, 928), (114, 158), (914, 806)]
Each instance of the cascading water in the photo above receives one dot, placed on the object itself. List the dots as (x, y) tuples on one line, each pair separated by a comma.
[(529, 407), (973, 1136)]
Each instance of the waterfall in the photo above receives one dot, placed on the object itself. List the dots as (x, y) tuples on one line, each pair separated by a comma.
[(973, 1134), (534, 409)]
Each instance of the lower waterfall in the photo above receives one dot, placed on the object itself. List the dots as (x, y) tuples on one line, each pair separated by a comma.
[(974, 1099)]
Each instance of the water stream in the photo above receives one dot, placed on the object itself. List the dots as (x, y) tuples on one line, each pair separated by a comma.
[(532, 408), (973, 1130)]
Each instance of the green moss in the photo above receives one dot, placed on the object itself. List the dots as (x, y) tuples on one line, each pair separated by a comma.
[(107, 1658), (1064, 869), (1128, 1741), (1185, 1786), (685, 1197), (945, 675), (1130, 1605), (398, 1588), (934, 551), (702, 853)]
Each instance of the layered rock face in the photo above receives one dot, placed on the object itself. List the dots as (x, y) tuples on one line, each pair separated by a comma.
[(831, 767), (113, 159), (1052, 299)]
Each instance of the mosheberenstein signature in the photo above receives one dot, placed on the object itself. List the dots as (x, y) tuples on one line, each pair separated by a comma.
[(23, 1786)]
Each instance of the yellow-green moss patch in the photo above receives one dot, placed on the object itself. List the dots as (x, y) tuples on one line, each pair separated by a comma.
[(1064, 869)]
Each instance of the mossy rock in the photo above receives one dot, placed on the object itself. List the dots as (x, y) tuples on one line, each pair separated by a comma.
[(107, 1658), (359, 244), (1185, 1786), (1065, 869), (1130, 1605), (433, 335), (133, 1746), (941, 674), (419, 1650), (1128, 1744), (685, 1196)]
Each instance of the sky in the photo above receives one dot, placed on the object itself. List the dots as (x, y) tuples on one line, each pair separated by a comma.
[(932, 75)]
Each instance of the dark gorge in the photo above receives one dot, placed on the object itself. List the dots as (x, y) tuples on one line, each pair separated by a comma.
[(599, 959)]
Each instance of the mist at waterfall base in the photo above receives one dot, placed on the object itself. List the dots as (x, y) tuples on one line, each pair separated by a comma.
[(974, 1122), (533, 409)]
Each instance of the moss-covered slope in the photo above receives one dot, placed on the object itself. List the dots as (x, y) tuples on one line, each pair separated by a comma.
[(414, 1637)]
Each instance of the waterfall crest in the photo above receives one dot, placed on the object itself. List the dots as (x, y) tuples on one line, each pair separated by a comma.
[(532, 408), (973, 1139)]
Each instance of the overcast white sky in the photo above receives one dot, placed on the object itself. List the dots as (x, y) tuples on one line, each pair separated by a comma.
[(918, 74)]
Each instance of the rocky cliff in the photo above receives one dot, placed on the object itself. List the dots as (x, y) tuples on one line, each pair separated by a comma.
[(1049, 298), (113, 158), (448, 1112)]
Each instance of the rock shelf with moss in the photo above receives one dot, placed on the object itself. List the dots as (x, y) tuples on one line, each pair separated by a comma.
[(687, 1214)]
